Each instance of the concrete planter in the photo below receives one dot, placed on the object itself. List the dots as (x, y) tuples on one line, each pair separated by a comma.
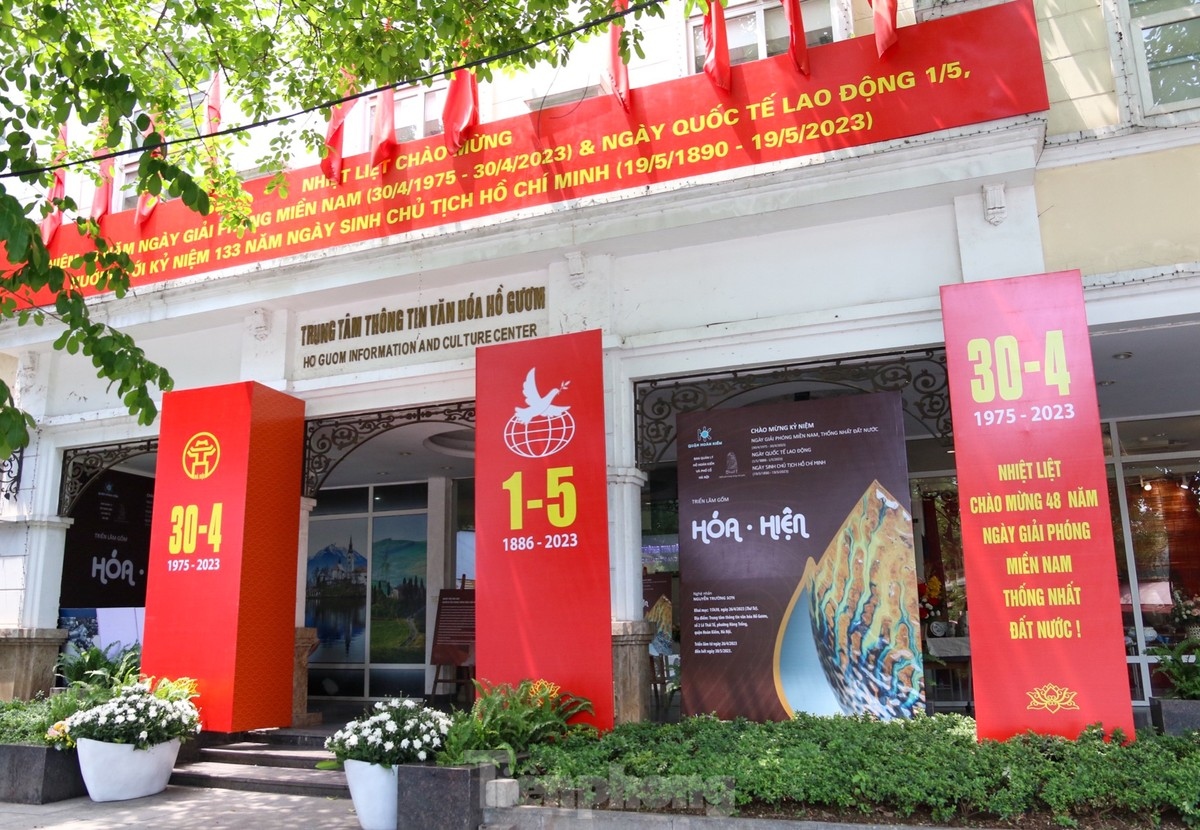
[(119, 772), (373, 789), (1172, 716), (38, 774), (448, 798)]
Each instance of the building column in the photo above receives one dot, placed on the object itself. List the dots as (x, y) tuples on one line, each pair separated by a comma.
[(439, 571), (306, 641), (31, 564), (27, 660), (631, 670), (306, 638), (631, 632)]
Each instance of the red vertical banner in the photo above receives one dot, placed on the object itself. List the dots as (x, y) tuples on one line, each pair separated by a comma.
[(221, 591), (1047, 646), (541, 516)]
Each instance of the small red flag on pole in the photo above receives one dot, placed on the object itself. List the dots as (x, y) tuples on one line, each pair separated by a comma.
[(212, 106), (460, 114), (58, 190), (102, 199), (147, 202), (617, 76), (331, 164), (884, 15), (383, 136), (716, 46), (797, 42)]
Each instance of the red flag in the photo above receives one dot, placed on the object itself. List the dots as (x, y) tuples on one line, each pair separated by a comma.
[(58, 190), (797, 43), (212, 106), (617, 76), (331, 164), (383, 136), (145, 206), (716, 46), (884, 13), (147, 202), (102, 200), (460, 114)]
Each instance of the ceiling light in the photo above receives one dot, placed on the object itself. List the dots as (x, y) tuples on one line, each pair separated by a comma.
[(1122, 355), (1145, 484)]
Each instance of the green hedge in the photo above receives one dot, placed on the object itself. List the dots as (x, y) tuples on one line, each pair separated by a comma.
[(929, 765)]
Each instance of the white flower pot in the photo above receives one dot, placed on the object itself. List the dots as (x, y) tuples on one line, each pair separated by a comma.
[(116, 772), (374, 790)]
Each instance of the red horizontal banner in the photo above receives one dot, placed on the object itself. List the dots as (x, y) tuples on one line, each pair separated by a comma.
[(959, 70)]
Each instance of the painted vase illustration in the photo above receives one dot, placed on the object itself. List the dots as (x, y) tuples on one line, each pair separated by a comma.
[(857, 605)]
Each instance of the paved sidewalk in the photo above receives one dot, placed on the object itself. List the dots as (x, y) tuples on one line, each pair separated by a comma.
[(186, 807), (181, 808)]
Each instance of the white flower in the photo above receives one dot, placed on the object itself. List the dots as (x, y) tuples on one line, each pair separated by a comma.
[(421, 755)]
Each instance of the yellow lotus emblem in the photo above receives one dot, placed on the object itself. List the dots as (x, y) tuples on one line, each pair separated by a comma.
[(1052, 698)]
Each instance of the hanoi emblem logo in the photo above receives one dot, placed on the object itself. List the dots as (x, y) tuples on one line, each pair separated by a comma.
[(541, 427), (201, 454)]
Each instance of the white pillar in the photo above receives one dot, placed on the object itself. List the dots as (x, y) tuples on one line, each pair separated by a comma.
[(625, 541), (440, 535), (625, 483), (306, 509)]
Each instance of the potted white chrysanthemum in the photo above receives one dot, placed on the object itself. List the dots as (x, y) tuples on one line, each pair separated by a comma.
[(128, 744), (372, 747)]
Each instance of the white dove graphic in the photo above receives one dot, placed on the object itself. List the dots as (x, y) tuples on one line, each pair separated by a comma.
[(537, 404)]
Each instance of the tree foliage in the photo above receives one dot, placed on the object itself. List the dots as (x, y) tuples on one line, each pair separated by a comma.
[(129, 78)]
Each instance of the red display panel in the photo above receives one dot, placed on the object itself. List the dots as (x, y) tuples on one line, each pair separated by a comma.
[(541, 515), (1047, 645), (221, 589), (959, 70)]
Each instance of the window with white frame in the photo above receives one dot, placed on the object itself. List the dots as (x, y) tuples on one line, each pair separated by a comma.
[(1166, 41), (125, 194), (758, 29), (418, 113)]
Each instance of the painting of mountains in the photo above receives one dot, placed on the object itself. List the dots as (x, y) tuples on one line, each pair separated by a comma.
[(335, 567)]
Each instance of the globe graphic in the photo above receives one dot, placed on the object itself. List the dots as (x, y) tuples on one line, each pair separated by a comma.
[(540, 437)]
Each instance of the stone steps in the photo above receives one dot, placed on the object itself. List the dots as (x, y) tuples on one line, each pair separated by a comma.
[(269, 761)]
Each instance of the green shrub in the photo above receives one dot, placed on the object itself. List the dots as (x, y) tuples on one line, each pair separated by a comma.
[(511, 719), (109, 668), (928, 765), (25, 721), (1180, 664), (92, 676)]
